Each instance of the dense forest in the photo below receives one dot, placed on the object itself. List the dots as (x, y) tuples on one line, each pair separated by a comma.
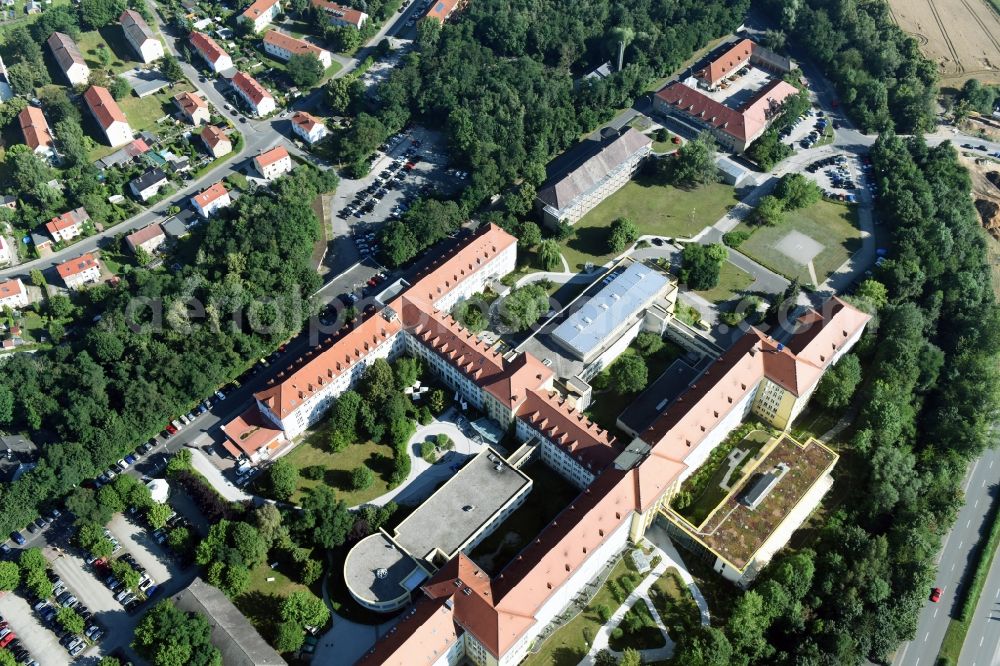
[(500, 79), (165, 340), (883, 80), (930, 394)]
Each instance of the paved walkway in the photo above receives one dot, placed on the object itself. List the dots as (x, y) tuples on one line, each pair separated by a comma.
[(225, 487)]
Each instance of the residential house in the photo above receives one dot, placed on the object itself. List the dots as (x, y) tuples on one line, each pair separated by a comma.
[(139, 35), (193, 106), (273, 163), (260, 14), (13, 294), (6, 252), (78, 272), (6, 92), (210, 200), (589, 173), (149, 184), (108, 115), (211, 52), (284, 46), (67, 226), (36, 131), (441, 10), (8, 201), (149, 238), (308, 126), (216, 141), (255, 95), (69, 58), (340, 15)]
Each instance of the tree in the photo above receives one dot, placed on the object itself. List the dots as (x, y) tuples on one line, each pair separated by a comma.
[(235, 580), (524, 306), (770, 211), (694, 163), (325, 520), (796, 191), (99, 13), (283, 479), (704, 646), (306, 609), (470, 314), (171, 68), (630, 657), (304, 69), (38, 583), (344, 415), (407, 370), (167, 636), (10, 575), (839, 383), (872, 295), (629, 374), (648, 343), (6, 658), (338, 94), (11, 109), (92, 538), (549, 255), (290, 637), (622, 233), (124, 572), (70, 620), (247, 540), (32, 559), (701, 265), (362, 477), (437, 401), (529, 234)]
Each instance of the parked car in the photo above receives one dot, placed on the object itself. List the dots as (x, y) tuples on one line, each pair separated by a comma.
[(935, 594), (18, 538)]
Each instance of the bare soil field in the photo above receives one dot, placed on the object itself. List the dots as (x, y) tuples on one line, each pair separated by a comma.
[(962, 36)]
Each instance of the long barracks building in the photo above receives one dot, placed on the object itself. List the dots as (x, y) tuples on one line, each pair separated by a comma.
[(459, 611)]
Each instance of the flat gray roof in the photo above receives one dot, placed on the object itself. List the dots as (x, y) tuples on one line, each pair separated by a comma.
[(461, 506), (652, 402), (379, 570), (589, 327)]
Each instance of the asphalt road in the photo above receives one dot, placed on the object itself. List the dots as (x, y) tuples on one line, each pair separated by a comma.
[(955, 559), (982, 643)]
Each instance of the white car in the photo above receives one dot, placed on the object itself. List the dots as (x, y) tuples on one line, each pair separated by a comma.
[(123, 463), (220, 395)]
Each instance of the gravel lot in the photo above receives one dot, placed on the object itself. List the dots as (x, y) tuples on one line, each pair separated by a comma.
[(92, 593), (140, 544), (36, 637)]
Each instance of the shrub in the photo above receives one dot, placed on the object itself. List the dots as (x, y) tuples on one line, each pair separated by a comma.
[(427, 451), (400, 468), (444, 442), (735, 238), (313, 472), (362, 478), (603, 612), (617, 633)]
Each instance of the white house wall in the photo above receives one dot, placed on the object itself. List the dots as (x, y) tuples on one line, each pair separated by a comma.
[(716, 435)]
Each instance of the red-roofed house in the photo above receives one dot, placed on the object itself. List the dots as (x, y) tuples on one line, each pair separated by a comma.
[(216, 141), (273, 163), (441, 10), (69, 58), (36, 131), (211, 52), (193, 106), (341, 15), (108, 115), (260, 14), (13, 294), (78, 272), (308, 126), (284, 46), (139, 35), (253, 93), (738, 55), (68, 225), (149, 238), (212, 199)]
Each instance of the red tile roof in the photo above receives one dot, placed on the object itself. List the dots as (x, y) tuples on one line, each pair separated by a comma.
[(216, 191), (271, 156), (35, 128), (584, 441), (67, 220), (104, 107), (305, 120), (11, 288), (347, 14), (250, 431), (728, 62), (206, 46), (441, 9), (256, 92), (291, 44), (76, 266), (190, 102), (148, 232), (212, 136), (254, 11)]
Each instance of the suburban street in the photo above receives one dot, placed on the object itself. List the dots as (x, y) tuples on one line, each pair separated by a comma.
[(983, 642)]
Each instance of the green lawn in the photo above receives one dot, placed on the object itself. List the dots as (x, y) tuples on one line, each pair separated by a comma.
[(568, 645), (647, 637), (733, 282), (313, 451), (674, 603), (261, 602), (834, 225), (23, 19), (112, 38), (655, 207), (142, 114)]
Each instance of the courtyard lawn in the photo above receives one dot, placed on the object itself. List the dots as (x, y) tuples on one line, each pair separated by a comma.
[(656, 208), (550, 494), (733, 282), (111, 37), (833, 226), (647, 637), (142, 114), (568, 645), (338, 466), (674, 603)]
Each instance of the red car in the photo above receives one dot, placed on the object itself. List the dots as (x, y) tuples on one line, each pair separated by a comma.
[(935, 594), (171, 429), (5, 641)]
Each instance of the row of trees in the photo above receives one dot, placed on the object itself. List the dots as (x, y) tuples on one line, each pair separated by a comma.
[(165, 341), (929, 396)]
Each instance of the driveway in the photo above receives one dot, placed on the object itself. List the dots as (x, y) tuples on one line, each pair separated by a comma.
[(34, 636)]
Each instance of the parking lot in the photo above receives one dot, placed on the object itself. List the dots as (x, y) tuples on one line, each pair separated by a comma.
[(91, 592), (840, 176), (34, 636)]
